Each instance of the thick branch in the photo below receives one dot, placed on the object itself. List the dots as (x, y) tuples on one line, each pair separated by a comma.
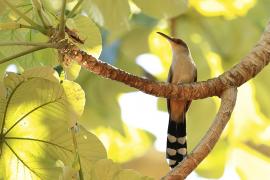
[(250, 66), (181, 171)]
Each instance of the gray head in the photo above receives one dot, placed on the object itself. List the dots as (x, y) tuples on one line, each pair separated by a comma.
[(175, 43)]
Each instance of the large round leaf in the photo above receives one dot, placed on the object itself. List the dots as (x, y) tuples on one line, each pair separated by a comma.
[(36, 119), (105, 169), (162, 8), (88, 32), (112, 14)]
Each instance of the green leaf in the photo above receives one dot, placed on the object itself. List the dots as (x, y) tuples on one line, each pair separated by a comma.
[(36, 139), (103, 108), (135, 42), (3, 91), (42, 72), (124, 150), (105, 169), (9, 26), (75, 98), (87, 31), (42, 57), (72, 70), (162, 8), (131, 175), (112, 14), (2, 7)]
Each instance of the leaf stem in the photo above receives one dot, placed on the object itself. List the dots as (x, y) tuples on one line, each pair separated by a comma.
[(6, 59), (73, 131), (25, 12), (27, 19), (26, 44), (71, 13), (41, 18), (62, 20), (39, 7)]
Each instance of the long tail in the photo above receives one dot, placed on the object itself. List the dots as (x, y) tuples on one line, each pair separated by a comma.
[(176, 142)]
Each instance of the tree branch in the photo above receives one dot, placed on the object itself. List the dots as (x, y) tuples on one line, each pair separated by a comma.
[(181, 171), (249, 66)]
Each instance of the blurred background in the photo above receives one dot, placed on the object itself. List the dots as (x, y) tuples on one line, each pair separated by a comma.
[(133, 125)]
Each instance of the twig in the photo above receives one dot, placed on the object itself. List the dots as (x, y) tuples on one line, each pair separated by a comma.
[(6, 59), (75, 144), (71, 13), (38, 6), (26, 44), (27, 19), (261, 148), (181, 171), (61, 33)]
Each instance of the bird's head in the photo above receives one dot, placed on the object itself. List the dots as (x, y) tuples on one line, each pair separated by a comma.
[(177, 44)]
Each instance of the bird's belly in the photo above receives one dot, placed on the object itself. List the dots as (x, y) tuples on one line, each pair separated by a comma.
[(183, 72)]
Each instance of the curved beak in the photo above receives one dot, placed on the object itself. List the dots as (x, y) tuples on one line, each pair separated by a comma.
[(166, 36)]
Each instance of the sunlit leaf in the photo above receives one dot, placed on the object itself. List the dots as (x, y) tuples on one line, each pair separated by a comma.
[(114, 19), (162, 8), (35, 127), (72, 70), (229, 9), (121, 147), (42, 57), (75, 97), (135, 42), (3, 91), (131, 175), (88, 32), (52, 5), (42, 72), (105, 169), (103, 108), (2, 7)]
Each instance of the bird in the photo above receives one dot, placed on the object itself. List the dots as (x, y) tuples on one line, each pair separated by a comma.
[(183, 70)]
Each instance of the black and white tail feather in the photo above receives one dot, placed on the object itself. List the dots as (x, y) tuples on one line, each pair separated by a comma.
[(176, 142)]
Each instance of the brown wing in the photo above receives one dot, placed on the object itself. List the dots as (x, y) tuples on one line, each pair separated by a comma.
[(195, 80), (169, 80)]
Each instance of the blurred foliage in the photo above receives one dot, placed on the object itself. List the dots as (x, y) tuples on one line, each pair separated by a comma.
[(218, 32), (228, 8)]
